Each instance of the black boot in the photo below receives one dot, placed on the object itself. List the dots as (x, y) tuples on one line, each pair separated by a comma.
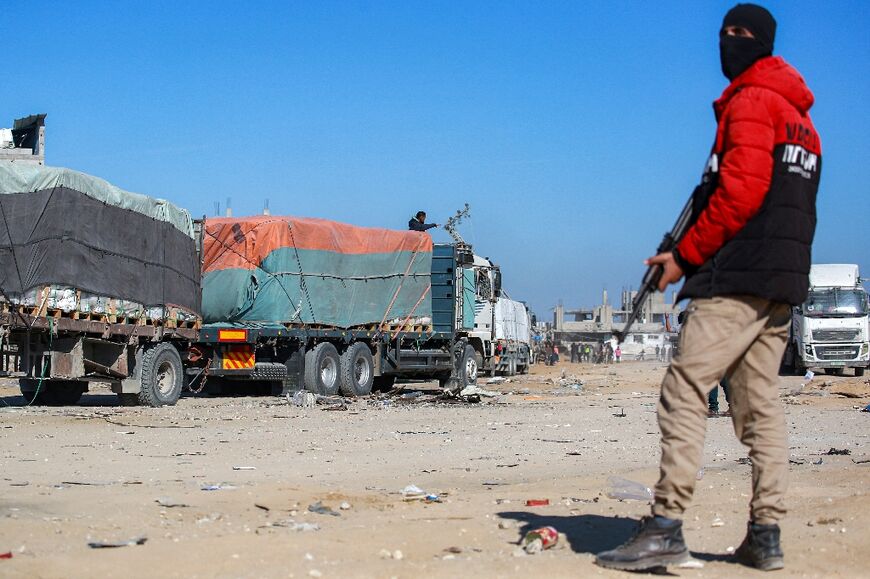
[(760, 548), (655, 544)]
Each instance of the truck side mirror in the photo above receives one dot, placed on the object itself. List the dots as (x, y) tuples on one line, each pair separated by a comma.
[(496, 282)]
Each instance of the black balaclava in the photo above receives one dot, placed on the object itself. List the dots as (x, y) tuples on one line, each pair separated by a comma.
[(738, 53)]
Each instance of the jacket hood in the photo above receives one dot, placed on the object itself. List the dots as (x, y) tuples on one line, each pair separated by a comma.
[(771, 73)]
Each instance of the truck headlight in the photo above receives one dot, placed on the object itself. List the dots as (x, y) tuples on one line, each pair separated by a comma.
[(808, 349), (865, 348)]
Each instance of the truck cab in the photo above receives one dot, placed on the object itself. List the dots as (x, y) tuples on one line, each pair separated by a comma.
[(501, 330), (830, 329)]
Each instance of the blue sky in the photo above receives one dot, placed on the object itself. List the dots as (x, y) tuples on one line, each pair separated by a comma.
[(576, 130)]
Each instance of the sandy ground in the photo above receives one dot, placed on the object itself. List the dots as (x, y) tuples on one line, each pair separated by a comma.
[(94, 472)]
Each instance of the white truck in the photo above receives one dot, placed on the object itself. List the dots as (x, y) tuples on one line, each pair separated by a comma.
[(830, 330), (502, 333)]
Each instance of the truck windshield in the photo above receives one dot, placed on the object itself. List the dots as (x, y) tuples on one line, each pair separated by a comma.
[(836, 302)]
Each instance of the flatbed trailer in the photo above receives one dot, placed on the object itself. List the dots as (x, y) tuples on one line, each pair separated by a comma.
[(56, 355)]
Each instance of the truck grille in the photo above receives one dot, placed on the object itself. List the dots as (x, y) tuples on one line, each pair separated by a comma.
[(836, 352), (835, 335)]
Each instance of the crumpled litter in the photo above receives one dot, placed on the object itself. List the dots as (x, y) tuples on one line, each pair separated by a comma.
[(322, 509), (140, 540)]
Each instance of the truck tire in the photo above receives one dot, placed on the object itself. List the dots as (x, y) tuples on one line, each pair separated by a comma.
[(162, 376), (52, 392), (469, 367), (859, 372), (357, 370), (834, 371), (322, 367)]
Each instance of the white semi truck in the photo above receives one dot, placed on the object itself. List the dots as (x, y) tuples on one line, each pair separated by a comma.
[(830, 330), (502, 333)]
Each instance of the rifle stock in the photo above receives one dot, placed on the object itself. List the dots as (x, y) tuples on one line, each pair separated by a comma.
[(653, 274)]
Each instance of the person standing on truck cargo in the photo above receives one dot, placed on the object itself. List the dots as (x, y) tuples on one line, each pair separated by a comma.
[(746, 259), (418, 222)]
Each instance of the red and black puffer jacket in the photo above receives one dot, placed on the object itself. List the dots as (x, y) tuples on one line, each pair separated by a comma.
[(755, 210)]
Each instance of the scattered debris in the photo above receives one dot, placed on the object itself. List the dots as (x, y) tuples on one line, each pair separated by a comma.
[(294, 526), (497, 380), (244, 468), (169, 503), (851, 390), (415, 493), (303, 399), (538, 503), (717, 522), (454, 550), (691, 563), (809, 376), (344, 506), (621, 414), (538, 540), (6, 555), (473, 390), (745, 460), (85, 483), (140, 540), (220, 487), (838, 452), (386, 554), (628, 490), (322, 509)]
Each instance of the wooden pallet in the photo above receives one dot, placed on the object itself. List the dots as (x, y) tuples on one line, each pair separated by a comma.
[(101, 317)]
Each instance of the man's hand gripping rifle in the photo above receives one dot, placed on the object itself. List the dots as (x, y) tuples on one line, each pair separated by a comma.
[(654, 273)]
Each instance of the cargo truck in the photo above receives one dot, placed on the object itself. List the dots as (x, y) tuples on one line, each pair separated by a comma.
[(97, 284), (830, 330), (330, 307), (104, 285)]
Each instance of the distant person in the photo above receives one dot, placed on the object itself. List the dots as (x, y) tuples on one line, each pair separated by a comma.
[(746, 260), (418, 222), (713, 400), (574, 350), (658, 353), (617, 353)]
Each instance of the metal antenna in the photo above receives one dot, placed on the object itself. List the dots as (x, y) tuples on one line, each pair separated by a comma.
[(452, 222)]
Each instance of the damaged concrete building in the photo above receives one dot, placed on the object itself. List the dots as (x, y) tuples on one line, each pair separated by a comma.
[(654, 330)]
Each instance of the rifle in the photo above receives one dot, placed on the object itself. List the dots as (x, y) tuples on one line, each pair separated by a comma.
[(654, 273)]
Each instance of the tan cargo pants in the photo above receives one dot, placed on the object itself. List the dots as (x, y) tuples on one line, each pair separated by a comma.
[(743, 338)]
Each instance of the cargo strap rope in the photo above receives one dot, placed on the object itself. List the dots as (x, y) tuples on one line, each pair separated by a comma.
[(411, 313), (399, 289)]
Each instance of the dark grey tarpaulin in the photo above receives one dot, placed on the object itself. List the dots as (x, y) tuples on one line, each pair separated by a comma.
[(63, 236)]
